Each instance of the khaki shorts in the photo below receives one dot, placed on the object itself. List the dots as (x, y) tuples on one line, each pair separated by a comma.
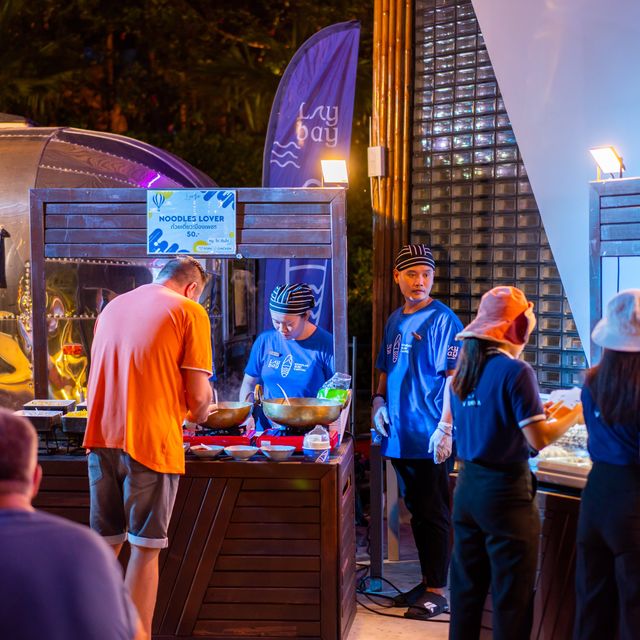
[(128, 500)]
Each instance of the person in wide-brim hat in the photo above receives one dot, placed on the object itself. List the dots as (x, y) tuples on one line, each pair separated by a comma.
[(608, 541), (505, 316), (619, 330), (498, 419)]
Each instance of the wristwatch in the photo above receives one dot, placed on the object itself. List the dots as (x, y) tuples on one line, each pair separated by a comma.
[(377, 395)]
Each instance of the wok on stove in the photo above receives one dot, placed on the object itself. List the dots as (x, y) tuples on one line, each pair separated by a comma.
[(225, 415), (301, 413)]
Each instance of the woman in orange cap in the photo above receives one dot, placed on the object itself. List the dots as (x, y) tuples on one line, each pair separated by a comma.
[(608, 549), (498, 420)]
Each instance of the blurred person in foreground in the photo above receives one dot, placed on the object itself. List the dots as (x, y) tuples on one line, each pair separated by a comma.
[(151, 360), (411, 413), (58, 579), (608, 549), (499, 423)]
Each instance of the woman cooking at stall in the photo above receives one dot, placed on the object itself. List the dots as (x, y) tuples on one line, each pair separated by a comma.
[(295, 357)]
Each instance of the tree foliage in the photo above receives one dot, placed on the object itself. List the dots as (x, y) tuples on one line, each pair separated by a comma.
[(194, 77)]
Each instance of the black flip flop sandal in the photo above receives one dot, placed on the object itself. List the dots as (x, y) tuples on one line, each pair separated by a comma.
[(410, 597), (429, 606)]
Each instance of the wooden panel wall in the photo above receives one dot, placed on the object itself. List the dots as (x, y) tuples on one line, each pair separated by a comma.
[(555, 599), (614, 231), (257, 550), (299, 222)]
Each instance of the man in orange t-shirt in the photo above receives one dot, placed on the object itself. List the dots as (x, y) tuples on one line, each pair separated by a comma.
[(150, 366)]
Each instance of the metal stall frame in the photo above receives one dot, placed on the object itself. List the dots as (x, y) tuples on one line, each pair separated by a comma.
[(99, 224), (614, 233)]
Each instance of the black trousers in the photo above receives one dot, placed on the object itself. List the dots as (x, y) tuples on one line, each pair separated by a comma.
[(608, 555), (496, 530), (425, 488)]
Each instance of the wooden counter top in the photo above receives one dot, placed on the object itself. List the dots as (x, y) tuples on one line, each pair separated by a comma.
[(257, 549)]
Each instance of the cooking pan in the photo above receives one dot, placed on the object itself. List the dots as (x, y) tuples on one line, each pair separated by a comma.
[(300, 413), (225, 415)]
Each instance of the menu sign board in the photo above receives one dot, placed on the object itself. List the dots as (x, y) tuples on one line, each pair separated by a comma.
[(194, 221)]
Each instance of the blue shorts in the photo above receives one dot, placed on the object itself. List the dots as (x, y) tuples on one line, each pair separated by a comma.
[(128, 500)]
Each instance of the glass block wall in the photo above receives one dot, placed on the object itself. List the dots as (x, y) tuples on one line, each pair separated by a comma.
[(471, 198)]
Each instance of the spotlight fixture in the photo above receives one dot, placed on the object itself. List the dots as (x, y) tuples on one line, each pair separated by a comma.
[(334, 173), (608, 161)]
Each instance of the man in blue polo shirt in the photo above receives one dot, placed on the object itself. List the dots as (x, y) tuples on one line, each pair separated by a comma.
[(411, 411)]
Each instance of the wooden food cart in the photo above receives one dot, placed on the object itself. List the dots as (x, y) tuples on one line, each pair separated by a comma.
[(257, 549)]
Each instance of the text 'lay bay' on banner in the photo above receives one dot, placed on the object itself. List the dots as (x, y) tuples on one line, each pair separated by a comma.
[(311, 120)]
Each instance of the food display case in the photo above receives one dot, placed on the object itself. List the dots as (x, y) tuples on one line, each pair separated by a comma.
[(566, 462)]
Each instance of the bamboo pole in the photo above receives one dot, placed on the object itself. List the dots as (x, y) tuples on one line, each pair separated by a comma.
[(406, 115), (398, 134), (391, 129), (381, 12), (389, 143)]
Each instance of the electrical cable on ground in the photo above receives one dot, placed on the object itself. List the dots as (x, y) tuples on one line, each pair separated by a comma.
[(361, 590)]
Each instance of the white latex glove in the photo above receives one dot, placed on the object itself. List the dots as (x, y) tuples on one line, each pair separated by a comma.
[(381, 420), (440, 442)]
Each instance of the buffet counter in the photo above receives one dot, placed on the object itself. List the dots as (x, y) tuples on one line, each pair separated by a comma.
[(257, 549)]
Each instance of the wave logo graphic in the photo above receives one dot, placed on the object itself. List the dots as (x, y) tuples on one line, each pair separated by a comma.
[(286, 365), (315, 275), (285, 154), (396, 348)]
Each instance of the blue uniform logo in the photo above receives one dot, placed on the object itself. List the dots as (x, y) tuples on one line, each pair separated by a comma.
[(396, 347), (287, 363), (471, 401)]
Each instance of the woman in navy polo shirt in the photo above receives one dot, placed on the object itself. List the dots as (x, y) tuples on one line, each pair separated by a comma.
[(295, 355), (498, 419), (608, 552)]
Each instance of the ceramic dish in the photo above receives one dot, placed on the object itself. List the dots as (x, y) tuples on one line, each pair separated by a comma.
[(277, 452), (206, 450), (240, 451)]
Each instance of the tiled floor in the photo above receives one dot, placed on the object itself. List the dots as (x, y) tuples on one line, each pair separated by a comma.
[(392, 625)]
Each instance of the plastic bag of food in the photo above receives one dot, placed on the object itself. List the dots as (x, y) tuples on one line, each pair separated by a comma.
[(336, 387)]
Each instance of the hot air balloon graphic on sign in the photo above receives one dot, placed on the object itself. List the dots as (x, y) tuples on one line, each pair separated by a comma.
[(158, 200), (193, 221)]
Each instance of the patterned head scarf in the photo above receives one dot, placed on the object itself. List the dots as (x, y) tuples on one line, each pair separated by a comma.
[(412, 255), (292, 299)]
